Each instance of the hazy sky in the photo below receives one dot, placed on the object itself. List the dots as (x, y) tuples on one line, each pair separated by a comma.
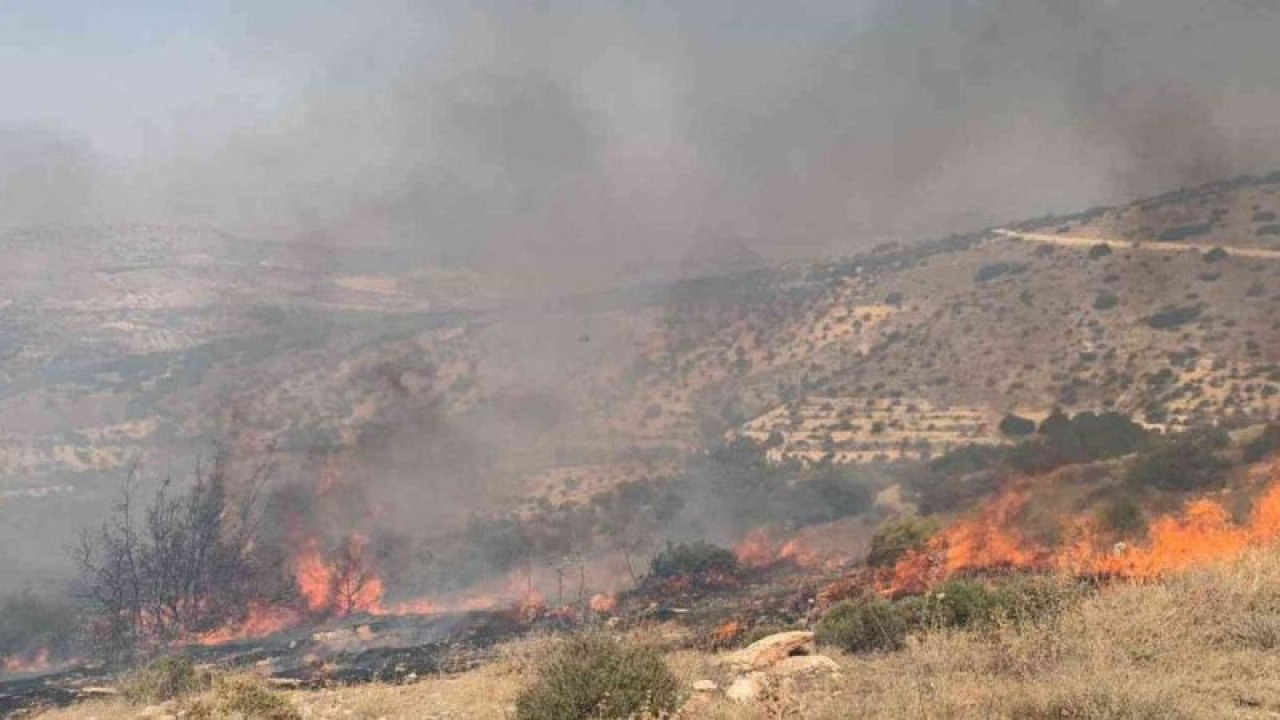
[(548, 130)]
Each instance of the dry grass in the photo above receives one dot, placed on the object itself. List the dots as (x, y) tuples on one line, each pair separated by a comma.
[(1201, 645)]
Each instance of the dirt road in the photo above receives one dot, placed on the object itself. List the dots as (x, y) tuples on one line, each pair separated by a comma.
[(1088, 242)]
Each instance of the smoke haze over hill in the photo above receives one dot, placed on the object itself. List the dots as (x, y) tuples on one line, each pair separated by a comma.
[(577, 135)]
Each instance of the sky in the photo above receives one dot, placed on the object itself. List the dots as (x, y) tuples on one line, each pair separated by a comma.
[(556, 132)]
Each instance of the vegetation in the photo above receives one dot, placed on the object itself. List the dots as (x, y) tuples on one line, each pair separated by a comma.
[(1184, 232), (1105, 300), (1266, 443), (247, 697), (1183, 462), (895, 537), (595, 677), (1016, 426), (1170, 318), (166, 678), (696, 558), (30, 623), (863, 626)]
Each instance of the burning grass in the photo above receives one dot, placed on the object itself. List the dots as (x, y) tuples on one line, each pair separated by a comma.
[(1195, 644)]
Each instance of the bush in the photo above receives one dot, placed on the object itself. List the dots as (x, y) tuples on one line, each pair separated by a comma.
[(1014, 425), (863, 626), (895, 537), (1269, 229), (1123, 516), (1173, 317), (1105, 300), (1188, 461), (694, 558), (958, 604), (990, 272), (1217, 254), (163, 679), (1265, 444), (1183, 232), (1099, 250), (249, 697), (593, 676)]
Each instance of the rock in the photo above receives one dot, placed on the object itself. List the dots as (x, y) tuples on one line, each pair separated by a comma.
[(804, 666), (766, 652), (705, 686), (746, 688)]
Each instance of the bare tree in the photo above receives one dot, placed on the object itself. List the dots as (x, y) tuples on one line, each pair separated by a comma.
[(182, 566)]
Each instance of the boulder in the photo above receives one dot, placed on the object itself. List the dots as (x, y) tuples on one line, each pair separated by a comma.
[(705, 686), (746, 688), (804, 666), (767, 652)]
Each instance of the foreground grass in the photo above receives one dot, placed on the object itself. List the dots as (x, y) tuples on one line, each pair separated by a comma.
[(1205, 644)]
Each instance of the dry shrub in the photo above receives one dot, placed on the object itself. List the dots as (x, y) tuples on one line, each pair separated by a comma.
[(166, 678), (243, 696), (1093, 703), (594, 676)]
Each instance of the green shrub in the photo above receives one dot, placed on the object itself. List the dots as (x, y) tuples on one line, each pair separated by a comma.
[(1265, 444), (1173, 317), (593, 676), (1099, 250), (895, 537), (863, 626), (1273, 229), (1183, 232), (1014, 425), (1105, 300), (692, 559), (163, 679), (1187, 461), (1217, 254), (1123, 516)]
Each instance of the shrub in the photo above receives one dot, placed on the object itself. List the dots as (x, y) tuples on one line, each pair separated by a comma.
[(1105, 300), (990, 272), (1173, 317), (1266, 443), (1273, 229), (863, 626), (1015, 425), (1188, 461), (163, 679), (959, 603), (1183, 232), (1217, 254), (249, 697), (1099, 250), (692, 559), (593, 676), (895, 537), (1264, 216), (1123, 516)]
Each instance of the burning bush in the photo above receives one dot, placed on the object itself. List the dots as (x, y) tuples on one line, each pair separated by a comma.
[(183, 566), (864, 626), (895, 537), (594, 676), (696, 558)]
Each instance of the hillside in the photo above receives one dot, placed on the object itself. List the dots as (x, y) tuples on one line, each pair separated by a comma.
[(146, 342)]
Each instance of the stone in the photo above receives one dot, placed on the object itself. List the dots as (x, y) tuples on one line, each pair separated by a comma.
[(705, 686), (746, 688), (804, 666), (766, 652)]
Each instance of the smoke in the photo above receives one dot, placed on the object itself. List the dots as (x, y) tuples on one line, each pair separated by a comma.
[(46, 176), (564, 137)]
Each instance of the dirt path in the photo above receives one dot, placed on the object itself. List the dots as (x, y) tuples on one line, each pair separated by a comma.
[(1087, 242)]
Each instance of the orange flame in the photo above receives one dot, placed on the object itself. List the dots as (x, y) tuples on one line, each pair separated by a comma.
[(37, 660), (1203, 533)]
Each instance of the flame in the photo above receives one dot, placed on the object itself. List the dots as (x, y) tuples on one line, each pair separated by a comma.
[(603, 603), (755, 549), (1202, 533), (727, 633), (262, 620), (33, 661)]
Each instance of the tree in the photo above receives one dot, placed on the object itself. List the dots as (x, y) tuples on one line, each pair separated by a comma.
[(182, 565)]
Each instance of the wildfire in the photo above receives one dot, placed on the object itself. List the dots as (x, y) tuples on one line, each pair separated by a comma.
[(37, 660), (755, 549), (990, 540)]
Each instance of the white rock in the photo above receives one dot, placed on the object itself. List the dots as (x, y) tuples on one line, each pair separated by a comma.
[(705, 686), (746, 688)]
